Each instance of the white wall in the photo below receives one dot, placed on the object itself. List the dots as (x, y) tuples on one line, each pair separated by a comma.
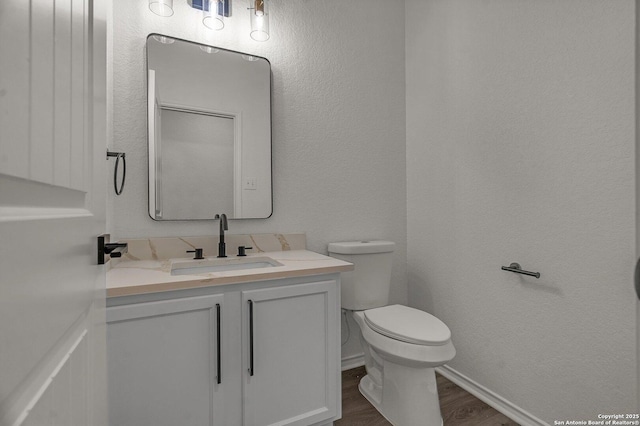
[(338, 120), (520, 148)]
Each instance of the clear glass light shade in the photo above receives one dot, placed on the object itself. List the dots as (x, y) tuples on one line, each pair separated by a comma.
[(213, 15), (161, 7), (259, 20)]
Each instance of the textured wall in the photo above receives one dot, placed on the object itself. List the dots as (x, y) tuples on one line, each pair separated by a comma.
[(520, 147), (338, 119)]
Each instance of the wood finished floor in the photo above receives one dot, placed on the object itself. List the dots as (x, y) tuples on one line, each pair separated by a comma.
[(458, 407)]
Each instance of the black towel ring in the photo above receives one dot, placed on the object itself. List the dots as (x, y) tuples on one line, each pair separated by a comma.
[(118, 155)]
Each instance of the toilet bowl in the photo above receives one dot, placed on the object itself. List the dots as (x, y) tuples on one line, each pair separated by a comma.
[(401, 345), (400, 381)]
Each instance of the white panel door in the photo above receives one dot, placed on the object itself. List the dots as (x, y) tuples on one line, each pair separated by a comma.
[(291, 363), (52, 208)]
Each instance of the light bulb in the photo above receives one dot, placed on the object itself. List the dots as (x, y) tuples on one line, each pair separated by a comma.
[(259, 7)]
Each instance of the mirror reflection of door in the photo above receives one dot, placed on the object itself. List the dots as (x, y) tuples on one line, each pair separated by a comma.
[(197, 150)]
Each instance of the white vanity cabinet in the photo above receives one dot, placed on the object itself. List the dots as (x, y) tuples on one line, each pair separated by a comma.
[(252, 354)]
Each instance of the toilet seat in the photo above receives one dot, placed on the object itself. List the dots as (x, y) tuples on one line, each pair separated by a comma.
[(408, 325)]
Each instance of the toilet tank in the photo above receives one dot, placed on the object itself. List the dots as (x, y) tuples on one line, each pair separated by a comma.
[(367, 286)]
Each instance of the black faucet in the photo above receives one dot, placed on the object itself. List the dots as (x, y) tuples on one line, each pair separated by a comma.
[(222, 247)]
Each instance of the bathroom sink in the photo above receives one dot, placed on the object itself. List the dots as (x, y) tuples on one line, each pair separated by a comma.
[(190, 267)]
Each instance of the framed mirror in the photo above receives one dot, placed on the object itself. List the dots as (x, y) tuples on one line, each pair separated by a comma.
[(209, 131)]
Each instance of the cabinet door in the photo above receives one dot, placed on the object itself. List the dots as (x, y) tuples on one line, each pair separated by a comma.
[(163, 362), (291, 354)]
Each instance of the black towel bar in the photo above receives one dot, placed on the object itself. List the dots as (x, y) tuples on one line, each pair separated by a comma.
[(515, 267)]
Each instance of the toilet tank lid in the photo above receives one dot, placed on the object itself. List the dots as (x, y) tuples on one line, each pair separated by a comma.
[(362, 247)]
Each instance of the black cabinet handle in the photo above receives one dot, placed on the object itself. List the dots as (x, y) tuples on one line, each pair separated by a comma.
[(636, 279), (250, 337), (218, 349)]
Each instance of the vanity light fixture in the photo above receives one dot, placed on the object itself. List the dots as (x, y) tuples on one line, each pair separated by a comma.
[(259, 15), (214, 12), (161, 7)]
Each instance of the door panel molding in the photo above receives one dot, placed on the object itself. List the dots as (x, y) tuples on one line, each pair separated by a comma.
[(45, 377)]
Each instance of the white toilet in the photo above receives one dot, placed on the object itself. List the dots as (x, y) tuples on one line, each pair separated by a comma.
[(402, 345)]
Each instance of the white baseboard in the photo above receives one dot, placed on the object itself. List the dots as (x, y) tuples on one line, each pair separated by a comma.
[(506, 407), (353, 361)]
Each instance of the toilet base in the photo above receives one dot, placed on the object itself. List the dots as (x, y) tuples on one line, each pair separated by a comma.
[(401, 380), (415, 403)]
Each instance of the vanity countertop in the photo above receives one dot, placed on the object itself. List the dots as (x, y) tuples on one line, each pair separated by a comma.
[(129, 277)]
